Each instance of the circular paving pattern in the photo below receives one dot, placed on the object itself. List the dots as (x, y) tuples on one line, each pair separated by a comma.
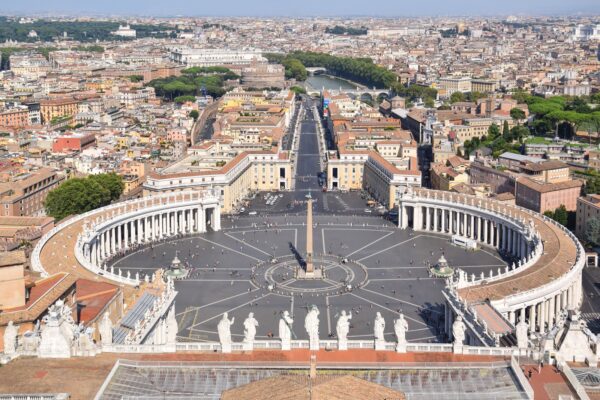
[(339, 276)]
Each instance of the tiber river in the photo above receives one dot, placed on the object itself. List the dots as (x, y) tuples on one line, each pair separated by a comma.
[(319, 82)]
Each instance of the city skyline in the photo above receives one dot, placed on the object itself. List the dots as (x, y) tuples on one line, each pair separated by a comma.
[(335, 8)]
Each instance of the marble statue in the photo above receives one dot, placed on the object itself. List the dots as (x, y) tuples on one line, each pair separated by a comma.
[(342, 328), (378, 331), (105, 328), (31, 341), (10, 338), (224, 329), (400, 328), (84, 344), (458, 331), (379, 326), (311, 324), (285, 330), (521, 333), (58, 332), (250, 325)]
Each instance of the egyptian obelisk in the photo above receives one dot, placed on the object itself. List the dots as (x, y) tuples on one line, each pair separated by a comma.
[(310, 268)]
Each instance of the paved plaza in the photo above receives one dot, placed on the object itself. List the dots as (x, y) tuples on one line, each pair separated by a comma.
[(249, 267)]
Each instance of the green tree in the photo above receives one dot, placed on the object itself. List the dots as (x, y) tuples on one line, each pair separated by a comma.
[(136, 78), (112, 182), (592, 185), (493, 131), (505, 131), (560, 215), (519, 133), (298, 89), (194, 114), (76, 196), (184, 99), (457, 97), (517, 114), (295, 69), (592, 231)]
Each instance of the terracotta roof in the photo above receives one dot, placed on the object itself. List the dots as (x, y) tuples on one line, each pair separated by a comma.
[(93, 296), (462, 188), (504, 196), (43, 294), (549, 187), (544, 166), (300, 387), (12, 258)]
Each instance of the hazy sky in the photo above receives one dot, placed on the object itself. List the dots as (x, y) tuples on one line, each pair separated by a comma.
[(302, 7)]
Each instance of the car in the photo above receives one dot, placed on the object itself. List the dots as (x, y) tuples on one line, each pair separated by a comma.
[(252, 213)]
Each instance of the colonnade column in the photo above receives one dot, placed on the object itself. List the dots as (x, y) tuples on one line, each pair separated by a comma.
[(542, 316), (444, 222), (189, 220), (217, 218), (485, 230)]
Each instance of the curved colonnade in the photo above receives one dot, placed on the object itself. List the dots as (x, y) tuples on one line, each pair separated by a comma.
[(89, 240), (543, 282)]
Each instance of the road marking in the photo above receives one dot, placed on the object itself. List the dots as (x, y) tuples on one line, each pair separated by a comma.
[(228, 311), (215, 302), (193, 322), (389, 248), (401, 301), (370, 244), (386, 308), (247, 244), (230, 249)]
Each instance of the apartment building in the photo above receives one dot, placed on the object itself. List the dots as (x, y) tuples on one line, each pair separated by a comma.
[(368, 170), (483, 86), (542, 196), (451, 84), (24, 193), (56, 108), (235, 174), (17, 117)]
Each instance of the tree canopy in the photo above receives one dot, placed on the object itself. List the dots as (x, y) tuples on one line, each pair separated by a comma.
[(592, 231), (79, 195), (342, 30), (560, 215), (195, 81), (81, 31)]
